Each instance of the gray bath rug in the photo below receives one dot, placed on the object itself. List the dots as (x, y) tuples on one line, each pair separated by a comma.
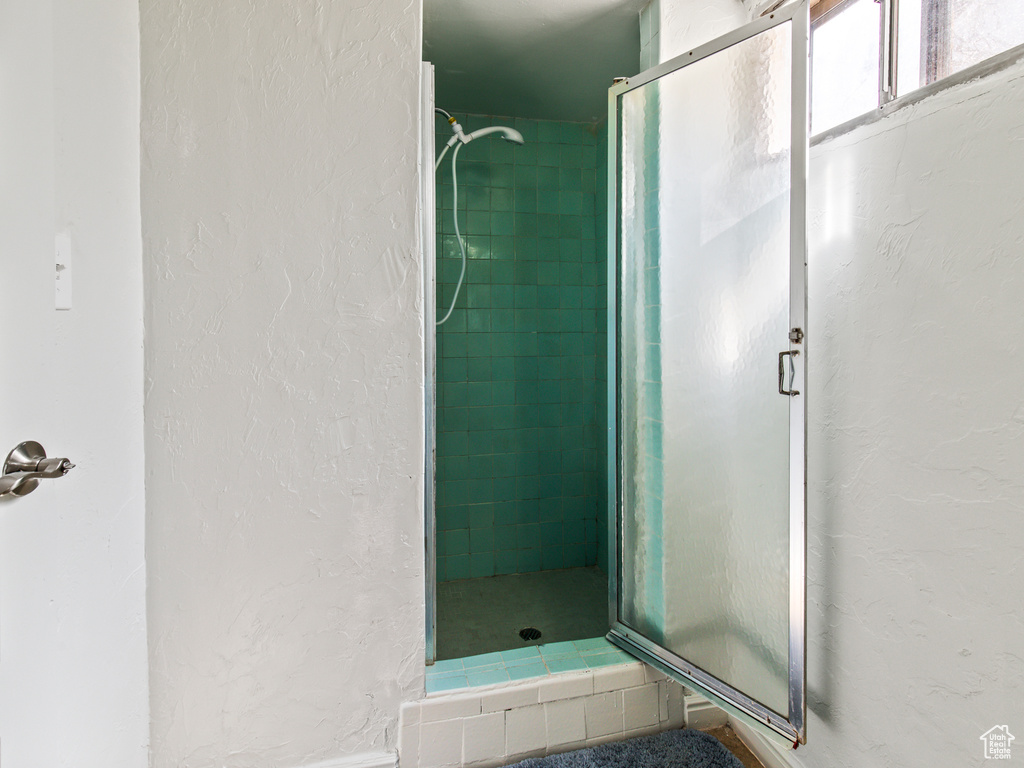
[(672, 749)]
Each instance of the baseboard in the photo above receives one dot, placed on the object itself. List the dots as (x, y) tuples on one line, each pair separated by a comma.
[(702, 714), (360, 760), (770, 754)]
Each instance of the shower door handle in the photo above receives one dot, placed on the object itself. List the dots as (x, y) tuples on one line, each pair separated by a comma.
[(792, 373)]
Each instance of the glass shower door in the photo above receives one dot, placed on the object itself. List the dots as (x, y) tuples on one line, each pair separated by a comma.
[(709, 156)]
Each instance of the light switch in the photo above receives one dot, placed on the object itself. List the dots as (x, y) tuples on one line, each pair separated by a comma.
[(62, 252)]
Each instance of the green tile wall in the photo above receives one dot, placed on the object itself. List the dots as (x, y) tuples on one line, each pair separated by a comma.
[(520, 398)]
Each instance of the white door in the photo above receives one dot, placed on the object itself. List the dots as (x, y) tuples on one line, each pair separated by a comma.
[(73, 656)]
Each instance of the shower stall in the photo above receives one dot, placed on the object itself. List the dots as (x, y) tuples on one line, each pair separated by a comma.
[(695, 439), (520, 386)]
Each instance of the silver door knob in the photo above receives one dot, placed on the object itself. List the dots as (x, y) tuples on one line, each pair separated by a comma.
[(26, 465)]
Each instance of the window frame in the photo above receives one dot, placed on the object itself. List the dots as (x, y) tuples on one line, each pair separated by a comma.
[(889, 99)]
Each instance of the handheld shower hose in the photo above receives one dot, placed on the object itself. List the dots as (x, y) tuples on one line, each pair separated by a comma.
[(458, 235), (458, 140)]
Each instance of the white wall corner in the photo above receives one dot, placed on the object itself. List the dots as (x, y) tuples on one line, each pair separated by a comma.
[(409, 738)]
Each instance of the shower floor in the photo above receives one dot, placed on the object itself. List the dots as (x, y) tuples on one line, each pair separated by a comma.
[(477, 616)]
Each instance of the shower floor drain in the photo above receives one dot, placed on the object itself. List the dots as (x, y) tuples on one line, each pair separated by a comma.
[(530, 633)]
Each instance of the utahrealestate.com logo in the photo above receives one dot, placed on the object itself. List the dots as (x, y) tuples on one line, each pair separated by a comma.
[(997, 742)]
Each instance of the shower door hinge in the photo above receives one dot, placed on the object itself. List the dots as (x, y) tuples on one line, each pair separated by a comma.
[(796, 335)]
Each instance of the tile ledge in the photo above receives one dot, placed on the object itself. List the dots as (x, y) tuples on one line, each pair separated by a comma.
[(532, 681)]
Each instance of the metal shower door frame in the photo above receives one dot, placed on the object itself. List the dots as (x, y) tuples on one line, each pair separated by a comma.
[(427, 235), (793, 726)]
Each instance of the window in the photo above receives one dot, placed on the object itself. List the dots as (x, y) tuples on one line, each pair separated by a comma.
[(865, 53), (938, 38), (844, 61)]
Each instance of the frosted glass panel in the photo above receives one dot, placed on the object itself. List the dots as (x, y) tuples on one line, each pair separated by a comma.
[(704, 312)]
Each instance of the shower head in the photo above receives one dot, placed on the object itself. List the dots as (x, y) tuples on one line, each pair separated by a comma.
[(509, 134)]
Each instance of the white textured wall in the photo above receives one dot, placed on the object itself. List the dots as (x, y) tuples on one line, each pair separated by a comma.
[(284, 377), (682, 25), (916, 506), (73, 662)]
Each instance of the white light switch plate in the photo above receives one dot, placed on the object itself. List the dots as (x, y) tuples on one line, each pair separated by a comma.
[(62, 253)]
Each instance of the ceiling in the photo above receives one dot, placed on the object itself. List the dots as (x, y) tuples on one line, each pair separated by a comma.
[(546, 59)]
